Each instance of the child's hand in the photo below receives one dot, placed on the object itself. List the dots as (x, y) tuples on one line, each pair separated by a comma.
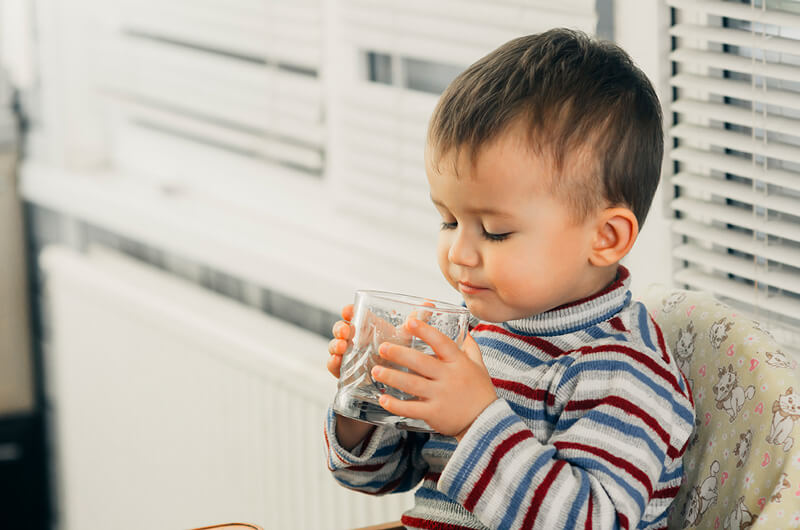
[(453, 388), (342, 341)]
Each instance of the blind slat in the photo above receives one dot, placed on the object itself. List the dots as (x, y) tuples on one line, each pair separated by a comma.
[(777, 303), (737, 241), (740, 266), (736, 140), (741, 217), (737, 37), (737, 115), (736, 89), (736, 165), (727, 61), (739, 191), (737, 10)]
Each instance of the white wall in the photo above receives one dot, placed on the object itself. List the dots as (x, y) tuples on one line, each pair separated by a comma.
[(640, 27)]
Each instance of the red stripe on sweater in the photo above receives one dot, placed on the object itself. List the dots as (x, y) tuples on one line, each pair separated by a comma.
[(416, 522), (588, 525), (535, 394), (617, 324), (433, 476), (616, 461), (666, 493), (540, 493), (623, 521), (632, 409), (537, 342), (499, 452), (637, 356), (661, 344)]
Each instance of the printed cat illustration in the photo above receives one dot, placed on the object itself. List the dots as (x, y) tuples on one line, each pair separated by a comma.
[(742, 450), (701, 498), (684, 348), (739, 518), (782, 484), (778, 359), (786, 411), (673, 301), (729, 395), (718, 332)]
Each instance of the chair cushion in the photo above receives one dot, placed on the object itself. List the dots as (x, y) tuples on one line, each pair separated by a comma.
[(742, 465)]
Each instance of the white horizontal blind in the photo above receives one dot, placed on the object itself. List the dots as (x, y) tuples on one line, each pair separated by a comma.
[(241, 75), (736, 136), (396, 59)]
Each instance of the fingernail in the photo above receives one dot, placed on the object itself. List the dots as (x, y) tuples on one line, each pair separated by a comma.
[(383, 349), (412, 323), (383, 400), (376, 371)]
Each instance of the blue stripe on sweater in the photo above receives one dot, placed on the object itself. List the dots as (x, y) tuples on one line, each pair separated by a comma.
[(521, 355), (598, 333), (644, 327), (615, 423), (606, 365), (525, 485), (430, 493), (580, 499), (591, 464), (666, 476), (475, 455), (438, 444)]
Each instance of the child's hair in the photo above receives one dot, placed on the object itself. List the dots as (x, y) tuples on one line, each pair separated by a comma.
[(574, 96)]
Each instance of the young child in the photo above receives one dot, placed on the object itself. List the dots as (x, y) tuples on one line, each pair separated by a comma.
[(565, 408)]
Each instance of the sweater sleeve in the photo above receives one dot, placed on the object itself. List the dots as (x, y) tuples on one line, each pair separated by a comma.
[(621, 425), (387, 461)]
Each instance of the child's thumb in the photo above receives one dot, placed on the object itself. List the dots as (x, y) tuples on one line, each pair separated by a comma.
[(473, 351)]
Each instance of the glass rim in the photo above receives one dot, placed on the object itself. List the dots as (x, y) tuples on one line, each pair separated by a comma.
[(414, 301)]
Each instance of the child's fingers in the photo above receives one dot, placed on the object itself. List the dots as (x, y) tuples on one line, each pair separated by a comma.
[(408, 408), (425, 365), (403, 381), (337, 347), (422, 314), (335, 365), (443, 345), (347, 312), (343, 330)]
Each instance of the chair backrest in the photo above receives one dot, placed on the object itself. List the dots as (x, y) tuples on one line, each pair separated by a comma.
[(742, 466)]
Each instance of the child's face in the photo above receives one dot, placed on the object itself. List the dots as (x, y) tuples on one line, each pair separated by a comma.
[(507, 244)]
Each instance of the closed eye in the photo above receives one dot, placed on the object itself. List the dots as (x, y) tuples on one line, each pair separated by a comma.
[(449, 226), (496, 237)]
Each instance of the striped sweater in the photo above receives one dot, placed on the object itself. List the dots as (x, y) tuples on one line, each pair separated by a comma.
[(588, 431)]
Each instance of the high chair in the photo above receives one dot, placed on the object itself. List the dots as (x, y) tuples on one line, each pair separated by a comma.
[(742, 465)]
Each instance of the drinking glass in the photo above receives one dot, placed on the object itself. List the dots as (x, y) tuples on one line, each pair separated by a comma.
[(379, 317)]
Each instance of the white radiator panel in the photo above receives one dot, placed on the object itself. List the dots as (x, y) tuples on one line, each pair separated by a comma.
[(175, 407)]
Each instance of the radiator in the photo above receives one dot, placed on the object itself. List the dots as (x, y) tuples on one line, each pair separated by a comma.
[(173, 407)]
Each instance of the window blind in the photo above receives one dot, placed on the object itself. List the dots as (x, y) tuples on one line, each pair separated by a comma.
[(736, 154), (397, 59), (240, 75)]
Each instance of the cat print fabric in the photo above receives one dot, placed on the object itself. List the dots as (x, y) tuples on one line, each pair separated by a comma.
[(742, 466)]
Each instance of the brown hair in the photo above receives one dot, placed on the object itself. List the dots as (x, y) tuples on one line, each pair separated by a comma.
[(572, 94)]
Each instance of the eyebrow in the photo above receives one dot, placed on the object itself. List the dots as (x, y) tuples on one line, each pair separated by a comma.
[(484, 211)]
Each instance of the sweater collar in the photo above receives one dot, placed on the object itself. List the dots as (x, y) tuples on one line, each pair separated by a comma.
[(579, 314)]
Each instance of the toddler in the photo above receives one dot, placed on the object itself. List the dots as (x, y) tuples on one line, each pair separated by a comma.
[(564, 408)]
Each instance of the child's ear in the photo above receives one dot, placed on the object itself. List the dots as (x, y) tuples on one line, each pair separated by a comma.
[(617, 229)]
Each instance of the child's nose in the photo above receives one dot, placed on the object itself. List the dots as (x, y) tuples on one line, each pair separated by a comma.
[(463, 251)]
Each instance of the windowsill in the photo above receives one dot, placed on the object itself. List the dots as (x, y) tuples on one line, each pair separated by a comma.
[(295, 242)]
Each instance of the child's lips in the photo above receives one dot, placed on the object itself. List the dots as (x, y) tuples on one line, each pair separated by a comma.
[(468, 288)]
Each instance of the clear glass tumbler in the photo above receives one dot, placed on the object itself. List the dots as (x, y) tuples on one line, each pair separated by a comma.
[(379, 317)]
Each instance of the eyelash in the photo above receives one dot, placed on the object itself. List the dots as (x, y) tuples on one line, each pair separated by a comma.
[(486, 235)]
